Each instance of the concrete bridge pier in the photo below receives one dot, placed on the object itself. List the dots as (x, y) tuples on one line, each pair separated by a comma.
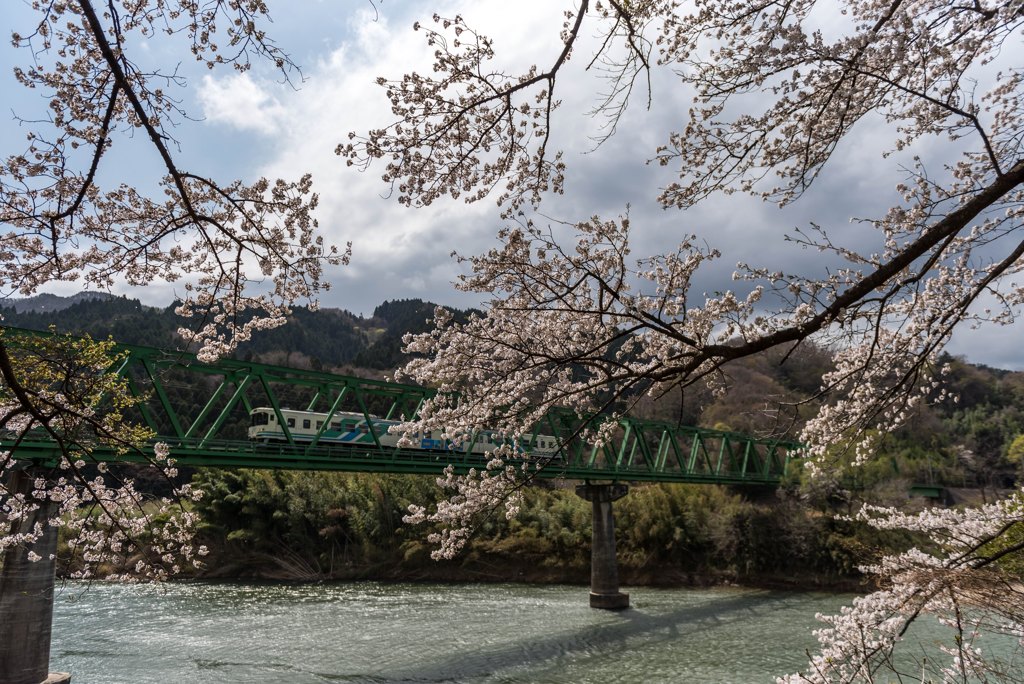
[(26, 596), (604, 569)]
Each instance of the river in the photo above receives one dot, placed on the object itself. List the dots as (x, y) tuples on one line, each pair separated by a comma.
[(369, 632)]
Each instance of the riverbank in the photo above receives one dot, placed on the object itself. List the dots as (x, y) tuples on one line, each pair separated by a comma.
[(328, 526), (313, 527), (475, 569)]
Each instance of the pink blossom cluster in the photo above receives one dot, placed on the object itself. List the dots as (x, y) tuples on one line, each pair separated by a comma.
[(244, 252), (109, 529), (957, 582), (478, 492)]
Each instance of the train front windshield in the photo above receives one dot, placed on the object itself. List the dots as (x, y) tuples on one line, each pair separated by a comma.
[(259, 418)]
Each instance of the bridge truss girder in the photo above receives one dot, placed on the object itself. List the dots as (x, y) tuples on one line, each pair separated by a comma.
[(201, 411)]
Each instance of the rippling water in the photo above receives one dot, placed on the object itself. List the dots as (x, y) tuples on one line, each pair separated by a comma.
[(375, 633)]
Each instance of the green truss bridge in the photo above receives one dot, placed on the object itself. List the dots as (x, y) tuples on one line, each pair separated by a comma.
[(204, 410), (242, 414)]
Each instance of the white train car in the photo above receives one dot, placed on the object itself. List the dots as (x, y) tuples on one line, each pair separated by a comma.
[(353, 429)]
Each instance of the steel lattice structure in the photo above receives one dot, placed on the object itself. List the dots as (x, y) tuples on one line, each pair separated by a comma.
[(202, 410)]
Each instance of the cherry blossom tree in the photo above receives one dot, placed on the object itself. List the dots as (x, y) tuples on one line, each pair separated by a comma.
[(578, 322), (64, 385), (243, 252)]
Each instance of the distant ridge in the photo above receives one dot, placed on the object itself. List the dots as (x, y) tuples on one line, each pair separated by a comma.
[(326, 338), (42, 303)]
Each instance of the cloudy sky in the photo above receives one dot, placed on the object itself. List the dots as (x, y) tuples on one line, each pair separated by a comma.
[(253, 125)]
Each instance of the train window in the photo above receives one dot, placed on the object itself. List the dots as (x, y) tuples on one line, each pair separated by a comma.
[(319, 424), (273, 419), (305, 424), (363, 429), (336, 425), (291, 422), (259, 419), (427, 434)]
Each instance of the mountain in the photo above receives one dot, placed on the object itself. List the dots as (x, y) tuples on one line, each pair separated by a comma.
[(322, 338), (50, 303)]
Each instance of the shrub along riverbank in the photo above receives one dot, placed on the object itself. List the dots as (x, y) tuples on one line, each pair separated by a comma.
[(322, 526)]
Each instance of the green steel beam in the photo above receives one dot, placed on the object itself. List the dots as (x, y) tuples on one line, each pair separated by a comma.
[(411, 461), (219, 421), (151, 373)]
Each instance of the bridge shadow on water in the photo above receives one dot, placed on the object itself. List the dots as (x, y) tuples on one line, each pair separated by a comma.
[(543, 658)]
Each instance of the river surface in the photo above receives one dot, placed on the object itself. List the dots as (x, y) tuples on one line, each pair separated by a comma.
[(377, 633)]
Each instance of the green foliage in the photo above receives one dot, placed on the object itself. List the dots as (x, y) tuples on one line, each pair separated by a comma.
[(393, 320), (323, 338), (69, 381), (1015, 452), (711, 530), (321, 525), (1005, 551), (345, 525), (308, 523), (125, 320)]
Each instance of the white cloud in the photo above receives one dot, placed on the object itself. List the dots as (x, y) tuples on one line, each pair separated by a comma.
[(238, 101), (255, 126), (397, 252)]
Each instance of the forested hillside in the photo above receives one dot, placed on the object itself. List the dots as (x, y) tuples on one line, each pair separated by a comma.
[(325, 338)]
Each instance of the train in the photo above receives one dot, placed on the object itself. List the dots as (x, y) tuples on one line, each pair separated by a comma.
[(353, 429)]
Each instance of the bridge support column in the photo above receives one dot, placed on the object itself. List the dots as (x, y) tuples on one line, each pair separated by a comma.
[(604, 569), (26, 595)]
